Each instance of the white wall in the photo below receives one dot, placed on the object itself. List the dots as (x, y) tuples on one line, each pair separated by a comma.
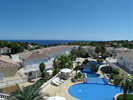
[(128, 62), (92, 49), (36, 62), (15, 57), (33, 75)]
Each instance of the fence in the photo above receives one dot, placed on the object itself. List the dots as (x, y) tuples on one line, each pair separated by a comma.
[(13, 81), (48, 83), (4, 96), (95, 80), (106, 78), (115, 66)]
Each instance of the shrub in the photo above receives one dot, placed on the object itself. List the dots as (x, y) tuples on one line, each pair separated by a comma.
[(115, 71), (112, 75), (96, 69), (55, 71), (99, 60), (129, 97), (79, 75), (76, 77), (73, 80)]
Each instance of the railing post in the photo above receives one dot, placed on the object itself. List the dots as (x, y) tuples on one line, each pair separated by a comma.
[(7, 82)]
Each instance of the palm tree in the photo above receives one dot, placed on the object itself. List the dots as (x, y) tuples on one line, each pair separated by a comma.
[(80, 51), (28, 93), (62, 61), (100, 49), (103, 49), (78, 63), (73, 55), (125, 83), (77, 67)]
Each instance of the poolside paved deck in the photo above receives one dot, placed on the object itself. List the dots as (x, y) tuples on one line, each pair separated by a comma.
[(61, 90)]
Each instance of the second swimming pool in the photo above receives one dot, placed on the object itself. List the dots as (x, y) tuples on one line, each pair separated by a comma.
[(93, 91)]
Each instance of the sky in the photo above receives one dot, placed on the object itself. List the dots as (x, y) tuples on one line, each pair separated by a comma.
[(66, 19)]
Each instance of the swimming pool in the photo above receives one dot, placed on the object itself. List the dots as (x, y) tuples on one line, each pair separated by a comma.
[(98, 63), (89, 73), (85, 91)]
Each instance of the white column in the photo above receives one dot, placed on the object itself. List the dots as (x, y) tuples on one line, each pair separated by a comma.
[(106, 65), (36, 76)]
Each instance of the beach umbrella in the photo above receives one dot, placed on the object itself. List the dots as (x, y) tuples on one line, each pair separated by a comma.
[(56, 98), (49, 71), (65, 70)]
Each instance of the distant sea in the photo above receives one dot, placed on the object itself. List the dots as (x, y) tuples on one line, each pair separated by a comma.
[(46, 42)]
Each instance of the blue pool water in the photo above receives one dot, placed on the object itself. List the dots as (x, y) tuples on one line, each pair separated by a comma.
[(93, 91), (96, 80), (89, 73), (92, 62)]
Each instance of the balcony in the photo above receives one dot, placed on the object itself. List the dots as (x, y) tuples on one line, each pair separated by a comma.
[(22, 78), (113, 63)]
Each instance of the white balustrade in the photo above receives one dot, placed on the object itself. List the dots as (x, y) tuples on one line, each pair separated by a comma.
[(48, 83), (22, 78), (4, 96), (115, 66), (106, 78)]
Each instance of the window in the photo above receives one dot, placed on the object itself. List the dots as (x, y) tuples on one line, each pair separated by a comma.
[(30, 74), (39, 61), (121, 58)]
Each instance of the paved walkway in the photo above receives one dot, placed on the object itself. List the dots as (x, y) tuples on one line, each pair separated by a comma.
[(61, 90)]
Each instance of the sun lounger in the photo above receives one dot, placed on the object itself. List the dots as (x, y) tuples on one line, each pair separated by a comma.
[(60, 79), (55, 83)]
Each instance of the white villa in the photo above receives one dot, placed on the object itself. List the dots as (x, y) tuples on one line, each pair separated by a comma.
[(123, 61), (109, 50), (30, 60), (5, 50), (9, 75)]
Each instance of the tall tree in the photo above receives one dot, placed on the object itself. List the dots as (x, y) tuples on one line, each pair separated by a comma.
[(62, 61), (73, 55), (80, 51), (100, 49), (125, 83), (42, 69), (77, 67)]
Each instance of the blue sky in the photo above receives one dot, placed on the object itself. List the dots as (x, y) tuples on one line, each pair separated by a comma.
[(66, 19)]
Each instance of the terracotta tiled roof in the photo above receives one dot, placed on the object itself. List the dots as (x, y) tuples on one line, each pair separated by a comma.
[(31, 55), (6, 62), (35, 55)]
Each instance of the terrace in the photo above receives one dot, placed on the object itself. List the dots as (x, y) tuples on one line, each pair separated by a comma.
[(11, 81), (113, 63)]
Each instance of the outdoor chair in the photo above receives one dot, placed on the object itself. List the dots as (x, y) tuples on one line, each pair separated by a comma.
[(60, 79), (55, 83)]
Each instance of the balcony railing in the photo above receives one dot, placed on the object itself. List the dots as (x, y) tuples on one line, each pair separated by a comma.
[(4, 96), (22, 78), (115, 66)]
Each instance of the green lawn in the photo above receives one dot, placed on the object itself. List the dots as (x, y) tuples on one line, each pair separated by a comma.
[(129, 97)]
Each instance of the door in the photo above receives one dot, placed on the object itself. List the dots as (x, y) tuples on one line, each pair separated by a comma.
[(124, 63), (1, 76)]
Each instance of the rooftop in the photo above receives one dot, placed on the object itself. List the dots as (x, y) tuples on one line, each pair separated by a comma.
[(31, 55), (6, 62), (126, 54)]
